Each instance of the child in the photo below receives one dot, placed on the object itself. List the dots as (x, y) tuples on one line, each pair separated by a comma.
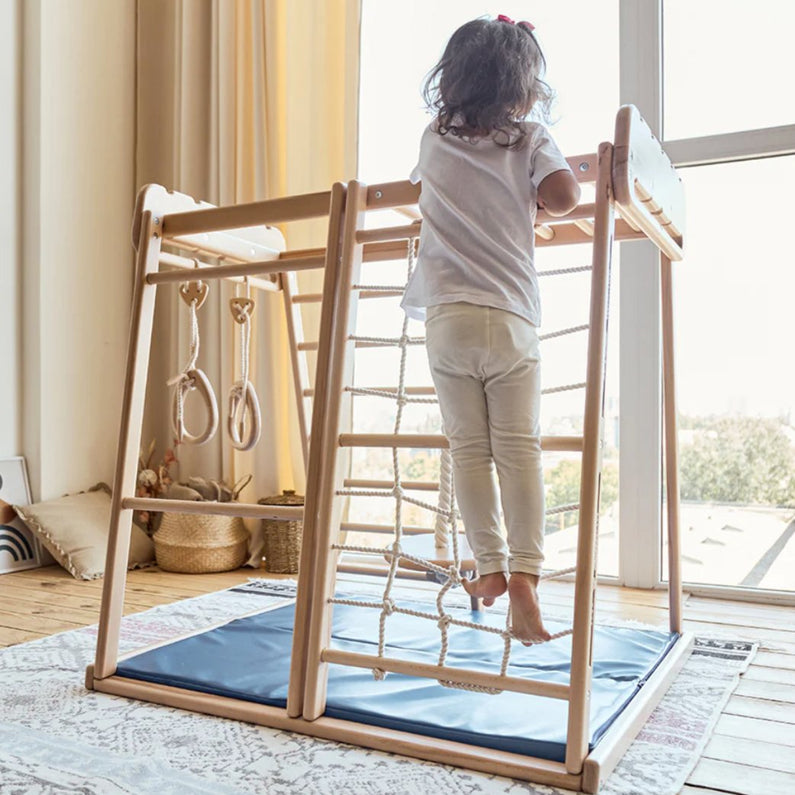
[(484, 170)]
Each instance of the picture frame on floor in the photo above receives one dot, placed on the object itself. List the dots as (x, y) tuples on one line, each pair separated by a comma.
[(19, 548)]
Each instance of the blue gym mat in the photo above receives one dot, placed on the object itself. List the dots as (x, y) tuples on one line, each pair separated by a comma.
[(249, 659)]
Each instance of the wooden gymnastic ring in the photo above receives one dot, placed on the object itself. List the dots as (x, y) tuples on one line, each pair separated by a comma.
[(251, 408), (198, 381)]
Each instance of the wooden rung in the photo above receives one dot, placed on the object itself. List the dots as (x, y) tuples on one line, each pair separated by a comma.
[(447, 673), (388, 195), (241, 269), (545, 229), (569, 234), (586, 226), (389, 233), (566, 234), (369, 527), (347, 566), (285, 513), (175, 261), (316, 298), (437, 441), (424, 546), (313, 345), (417, 485), (415, 391), (272, 211), (586, 210)]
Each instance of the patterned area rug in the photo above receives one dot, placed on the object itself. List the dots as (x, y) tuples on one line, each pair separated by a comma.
[(57, 737)]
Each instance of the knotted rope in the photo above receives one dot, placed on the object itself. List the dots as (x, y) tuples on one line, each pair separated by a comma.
[(193, 378), (244, 411)]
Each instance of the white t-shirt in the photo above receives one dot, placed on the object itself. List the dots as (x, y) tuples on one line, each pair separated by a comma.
[(478, 205)]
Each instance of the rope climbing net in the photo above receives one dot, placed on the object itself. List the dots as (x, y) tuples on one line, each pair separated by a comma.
[(446, 532)]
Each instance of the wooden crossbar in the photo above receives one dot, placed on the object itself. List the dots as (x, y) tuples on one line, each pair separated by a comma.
[(373, 527), (184, 263), (282, 513), (515, 684), (416, 485), (563, 233), (438, 442), (240, 269), (237, 216)]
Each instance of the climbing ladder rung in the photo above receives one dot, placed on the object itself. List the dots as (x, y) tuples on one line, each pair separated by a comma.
[(314, 298), (437, 441), (363, 343), (416, 391), (283, 513), (370, 527), (418, 485), (389, 233), (429, 391), (446, 673)]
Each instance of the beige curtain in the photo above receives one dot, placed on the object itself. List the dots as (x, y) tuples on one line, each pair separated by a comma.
[(241, 100)]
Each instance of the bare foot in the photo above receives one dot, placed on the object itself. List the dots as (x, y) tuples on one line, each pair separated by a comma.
[(488, 587), (526, 621)]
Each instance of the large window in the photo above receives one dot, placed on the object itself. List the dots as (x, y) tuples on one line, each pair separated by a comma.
[(727, 98), (710, 76), (725, 66), (733, 306)]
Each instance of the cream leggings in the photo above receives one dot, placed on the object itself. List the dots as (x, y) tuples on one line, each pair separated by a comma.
[(486, 369)]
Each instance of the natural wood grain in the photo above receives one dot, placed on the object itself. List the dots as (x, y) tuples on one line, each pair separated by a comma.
[(757, 753), (735, 777), (769, 731)]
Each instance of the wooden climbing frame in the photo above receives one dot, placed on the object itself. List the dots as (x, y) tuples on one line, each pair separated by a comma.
[(638, 196)]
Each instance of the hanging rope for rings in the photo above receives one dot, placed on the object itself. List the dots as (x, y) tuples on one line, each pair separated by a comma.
[(243, 421), (193, 378)]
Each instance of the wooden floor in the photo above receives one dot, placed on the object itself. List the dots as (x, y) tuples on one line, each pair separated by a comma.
[(752, 751)]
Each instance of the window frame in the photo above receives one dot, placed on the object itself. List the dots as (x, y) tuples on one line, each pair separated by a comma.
[(641, 484)]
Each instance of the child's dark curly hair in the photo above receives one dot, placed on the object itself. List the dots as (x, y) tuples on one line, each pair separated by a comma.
[(488, 79)]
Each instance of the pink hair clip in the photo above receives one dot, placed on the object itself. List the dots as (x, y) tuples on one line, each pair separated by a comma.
[(527, 25)]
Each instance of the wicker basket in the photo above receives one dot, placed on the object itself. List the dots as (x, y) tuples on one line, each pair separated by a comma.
[(194, 543), (282, 539)]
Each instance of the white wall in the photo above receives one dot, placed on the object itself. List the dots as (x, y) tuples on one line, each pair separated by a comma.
[(78, 194), (10, 290)]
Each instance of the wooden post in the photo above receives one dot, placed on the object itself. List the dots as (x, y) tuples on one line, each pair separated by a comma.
[(582, 639), (329, 475), (309, 542), (671, 448), (148, 221)]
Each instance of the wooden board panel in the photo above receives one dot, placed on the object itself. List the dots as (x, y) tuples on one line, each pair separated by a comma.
[(767, 691), (761, 673), (751, 751), (741, 779), (760, 708), (642, 170), (773, 659), (769, 731)]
